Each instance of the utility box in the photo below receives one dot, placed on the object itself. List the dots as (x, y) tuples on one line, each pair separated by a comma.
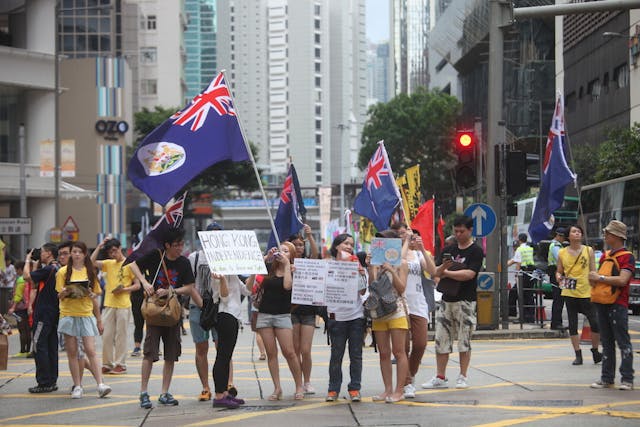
[(487, 305)]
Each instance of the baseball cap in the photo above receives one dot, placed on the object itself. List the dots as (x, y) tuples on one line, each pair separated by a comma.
[(214, 226), (561, 231)]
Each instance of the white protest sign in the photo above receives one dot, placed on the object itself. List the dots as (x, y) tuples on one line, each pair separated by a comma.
[(320, 282), (232, 251)]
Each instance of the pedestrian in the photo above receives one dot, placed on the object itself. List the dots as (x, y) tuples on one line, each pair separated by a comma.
[(169, 270), (45, 317), (346, 324), (523, 260), (274, 317), (120, 282), (19, 310), (614, 318), (552, 265), (460, 263), (303, 317), (391, 330), (80, 318), (575, 262), (419, 262)]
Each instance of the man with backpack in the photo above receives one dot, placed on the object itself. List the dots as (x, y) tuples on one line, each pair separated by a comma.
[(616, 270)]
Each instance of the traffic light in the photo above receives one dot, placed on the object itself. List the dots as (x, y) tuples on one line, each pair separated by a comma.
[(523, 171), (465, 147)]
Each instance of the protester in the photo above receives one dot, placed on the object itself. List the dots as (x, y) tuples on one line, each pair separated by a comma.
[(45, 317), (64, 254), (274, 319), (19, 309), (391, 330), (80, 317), (169, 270), (456, 314), (614, 318), (552, 266), (345, 324), (523, 259), (303, 317), (419, 261), (575, 262), (120, 282)]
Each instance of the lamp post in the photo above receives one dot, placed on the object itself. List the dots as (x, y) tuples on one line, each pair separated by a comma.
[(342, 127)]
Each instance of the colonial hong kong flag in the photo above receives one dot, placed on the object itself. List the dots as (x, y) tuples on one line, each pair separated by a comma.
[(290, 210), (172, 218), (379, 196), (204, 133), (555, 177)]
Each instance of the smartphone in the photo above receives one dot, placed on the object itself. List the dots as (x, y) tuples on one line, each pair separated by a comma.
[(446, 256)]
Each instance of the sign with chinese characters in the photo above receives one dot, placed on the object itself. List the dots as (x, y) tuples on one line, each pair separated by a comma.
[(321, 282), (15, 226)]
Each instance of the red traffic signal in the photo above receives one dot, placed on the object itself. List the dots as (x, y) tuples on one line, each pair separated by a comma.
[(465, 147), (465, 140)]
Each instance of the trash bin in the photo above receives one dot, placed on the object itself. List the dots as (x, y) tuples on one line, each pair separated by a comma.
[(487, 307)]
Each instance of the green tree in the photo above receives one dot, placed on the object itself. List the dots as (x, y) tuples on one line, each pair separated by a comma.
[(416, 128), (619, 155), (218, 179)]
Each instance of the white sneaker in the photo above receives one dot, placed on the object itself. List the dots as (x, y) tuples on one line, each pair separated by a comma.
[(409, 391), (436, 382), (76, 392), (103, 390), (308, 389), (461, 382)]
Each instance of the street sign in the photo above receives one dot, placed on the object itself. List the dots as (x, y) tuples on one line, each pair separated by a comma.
[(484, 219), (486, 282), (15, 226), (70, 230)]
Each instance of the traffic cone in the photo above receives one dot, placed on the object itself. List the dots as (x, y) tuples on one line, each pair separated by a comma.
[(585, 335)]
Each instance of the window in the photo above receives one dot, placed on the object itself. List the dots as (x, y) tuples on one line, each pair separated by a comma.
[(318, 153), (318, 124), (149, 87), (148, 55), (317, 67), (621, 76), (570, 101), (318, 96), (316, 38), (317, 52), (318, 167), (593, 88), (318, 110), (318, 139), (605, 82), (316, 24), (151, 22), (318, 82), (316, 9)]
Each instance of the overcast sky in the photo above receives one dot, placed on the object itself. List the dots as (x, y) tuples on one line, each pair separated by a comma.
[(377, 20)]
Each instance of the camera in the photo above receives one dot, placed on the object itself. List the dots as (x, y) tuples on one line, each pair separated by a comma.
[(35, 255)]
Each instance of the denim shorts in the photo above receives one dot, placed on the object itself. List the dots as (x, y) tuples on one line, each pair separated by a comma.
[(197, 333), (76, 326), (303, 319), (278, 321)]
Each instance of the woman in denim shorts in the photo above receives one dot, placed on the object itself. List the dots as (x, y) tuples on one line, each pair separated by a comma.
[(274, 317)]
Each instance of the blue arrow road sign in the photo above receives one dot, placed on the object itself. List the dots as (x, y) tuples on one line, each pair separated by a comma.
[(485, 282), (484, 219)]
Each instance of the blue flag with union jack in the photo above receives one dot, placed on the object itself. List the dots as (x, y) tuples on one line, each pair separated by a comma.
[(556, 175), (291, 209), (172, 218), (203, 133), (379, 196)]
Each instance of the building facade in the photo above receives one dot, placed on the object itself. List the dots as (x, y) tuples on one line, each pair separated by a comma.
[(200, 45)]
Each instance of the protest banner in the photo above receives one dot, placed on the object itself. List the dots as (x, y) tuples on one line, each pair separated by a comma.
[(232, 251), (386, 250), (322, 282)]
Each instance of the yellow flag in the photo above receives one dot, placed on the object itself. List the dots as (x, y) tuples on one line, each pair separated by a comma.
[(413, 195), (366, 230), (403, 186)]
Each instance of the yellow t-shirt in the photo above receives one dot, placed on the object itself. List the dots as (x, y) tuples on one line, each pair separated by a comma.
[(77, 307), (576, 268), (116, 275)]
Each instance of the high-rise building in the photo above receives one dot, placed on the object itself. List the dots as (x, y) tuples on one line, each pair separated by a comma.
[(379, 88), (410, 21), (200, 45)]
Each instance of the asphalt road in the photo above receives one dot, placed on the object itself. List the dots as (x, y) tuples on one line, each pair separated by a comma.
[(512, 382)]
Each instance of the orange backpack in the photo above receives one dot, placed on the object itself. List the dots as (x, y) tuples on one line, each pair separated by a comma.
[(603, 293)]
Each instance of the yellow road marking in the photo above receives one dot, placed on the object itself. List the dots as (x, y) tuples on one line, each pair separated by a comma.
[(70, 410)]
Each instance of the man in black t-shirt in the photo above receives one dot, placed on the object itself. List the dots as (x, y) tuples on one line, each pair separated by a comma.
[(177, 274), (45, 318), (456, 314)]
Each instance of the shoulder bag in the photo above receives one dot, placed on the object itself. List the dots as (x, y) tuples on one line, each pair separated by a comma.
[(383, 299), (162, 311), (603, 293)]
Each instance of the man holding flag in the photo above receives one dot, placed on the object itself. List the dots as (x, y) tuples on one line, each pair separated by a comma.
[(555, 177)]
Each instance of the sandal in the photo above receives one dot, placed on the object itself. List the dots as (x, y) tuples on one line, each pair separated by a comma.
[(275, 396), (262, 357), (298, 396), (379, 398)]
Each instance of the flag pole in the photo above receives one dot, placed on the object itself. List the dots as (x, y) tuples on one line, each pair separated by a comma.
[(253, 163), (395, 185)]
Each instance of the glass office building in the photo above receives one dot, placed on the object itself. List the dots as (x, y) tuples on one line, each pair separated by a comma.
[(200, 45)]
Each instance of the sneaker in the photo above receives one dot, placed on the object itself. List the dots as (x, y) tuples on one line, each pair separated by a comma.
[(20, 355), (436, 382), (332, 396), (409, 391), (145, 402), (42, 389), (118, 370), (106, 370), (103, 390), (167, 399), (354, 395), (308, 389), (625, 386), (225, 402), (461, 382), (205, 395), (76, 392), (601, 384), (135, 352), (236, 399)]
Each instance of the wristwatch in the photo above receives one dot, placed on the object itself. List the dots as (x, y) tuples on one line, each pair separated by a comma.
[(601, 278)]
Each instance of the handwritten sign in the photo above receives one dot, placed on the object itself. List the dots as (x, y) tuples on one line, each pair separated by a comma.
[(386, 250), (322, 282), (232, 251)]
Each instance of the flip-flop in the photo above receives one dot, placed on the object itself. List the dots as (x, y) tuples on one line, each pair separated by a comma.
[(298, 396), (379, 398), (275, 396)]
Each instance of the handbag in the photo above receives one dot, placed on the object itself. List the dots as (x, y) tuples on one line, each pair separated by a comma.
[(382, 300), (162, 311), (257, 297), (209, 313)]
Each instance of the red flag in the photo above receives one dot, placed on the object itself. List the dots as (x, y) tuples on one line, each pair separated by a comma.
[(441, 231), (423, 222)]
